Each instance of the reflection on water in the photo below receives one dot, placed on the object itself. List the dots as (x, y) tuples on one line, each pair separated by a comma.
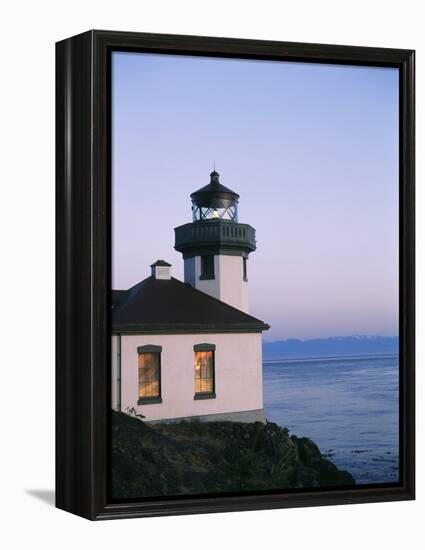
[(348, 406)]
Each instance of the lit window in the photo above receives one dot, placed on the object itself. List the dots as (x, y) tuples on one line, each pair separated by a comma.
[(204, 371), (207, 267), (149, 374)]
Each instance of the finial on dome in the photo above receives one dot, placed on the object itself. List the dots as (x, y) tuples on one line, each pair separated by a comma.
[(214, 176)]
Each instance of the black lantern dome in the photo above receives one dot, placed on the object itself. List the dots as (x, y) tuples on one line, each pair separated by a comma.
[(215, 202)]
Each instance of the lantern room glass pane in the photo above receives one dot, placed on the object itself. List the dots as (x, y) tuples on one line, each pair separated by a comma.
[(204, 371), (149, 375), (204, 213)]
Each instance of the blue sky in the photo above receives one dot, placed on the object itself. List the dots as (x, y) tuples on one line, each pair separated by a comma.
[(312, 149)]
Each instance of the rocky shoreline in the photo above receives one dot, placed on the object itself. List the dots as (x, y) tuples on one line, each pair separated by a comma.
[(192, 457)]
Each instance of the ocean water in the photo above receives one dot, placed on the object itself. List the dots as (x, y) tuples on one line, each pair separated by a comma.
[(347, 405)]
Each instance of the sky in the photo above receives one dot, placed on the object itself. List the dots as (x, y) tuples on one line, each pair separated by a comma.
[(312, 150)]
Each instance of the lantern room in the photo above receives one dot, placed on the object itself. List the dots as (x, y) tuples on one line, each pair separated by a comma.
[(215, 246), (214, 202)]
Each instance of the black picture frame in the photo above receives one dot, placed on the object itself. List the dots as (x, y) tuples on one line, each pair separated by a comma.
[(83, 271)]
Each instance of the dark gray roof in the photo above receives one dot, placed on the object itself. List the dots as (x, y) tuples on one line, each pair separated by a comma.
[(170, 306), (118, 296), (161, 263)]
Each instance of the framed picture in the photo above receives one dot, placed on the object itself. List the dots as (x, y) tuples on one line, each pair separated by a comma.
[(235, 274)]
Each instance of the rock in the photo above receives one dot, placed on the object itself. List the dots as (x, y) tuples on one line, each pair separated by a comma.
[(192, 457)]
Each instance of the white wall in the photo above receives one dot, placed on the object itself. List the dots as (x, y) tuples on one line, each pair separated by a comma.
[(27, 125), (238, 374), (233, 288), (190, 271), (228, 284), (209, 286)]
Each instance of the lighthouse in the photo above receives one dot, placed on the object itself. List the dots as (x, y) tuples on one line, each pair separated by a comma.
[(189, 349), (215, 246)]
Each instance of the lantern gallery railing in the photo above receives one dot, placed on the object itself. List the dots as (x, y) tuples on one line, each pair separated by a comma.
[(215, 232)]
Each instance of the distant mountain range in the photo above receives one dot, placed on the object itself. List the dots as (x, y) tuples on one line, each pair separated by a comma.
[(322, 347)]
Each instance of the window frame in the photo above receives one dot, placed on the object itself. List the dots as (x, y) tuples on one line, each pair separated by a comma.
[(211, 348), (149, 400), (83, 346)]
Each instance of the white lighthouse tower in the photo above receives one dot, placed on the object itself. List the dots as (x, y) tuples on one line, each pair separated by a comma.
[(215, 246)]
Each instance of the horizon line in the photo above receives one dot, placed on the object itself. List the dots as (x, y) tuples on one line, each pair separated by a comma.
[(358, 336)]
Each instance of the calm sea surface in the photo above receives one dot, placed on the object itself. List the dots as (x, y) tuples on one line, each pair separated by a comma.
[(348, 406)]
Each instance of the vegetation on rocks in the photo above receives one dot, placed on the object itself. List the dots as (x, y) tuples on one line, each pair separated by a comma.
[(193, 457)]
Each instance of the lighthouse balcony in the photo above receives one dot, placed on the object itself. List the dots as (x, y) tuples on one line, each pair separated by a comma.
[(216, 236)]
